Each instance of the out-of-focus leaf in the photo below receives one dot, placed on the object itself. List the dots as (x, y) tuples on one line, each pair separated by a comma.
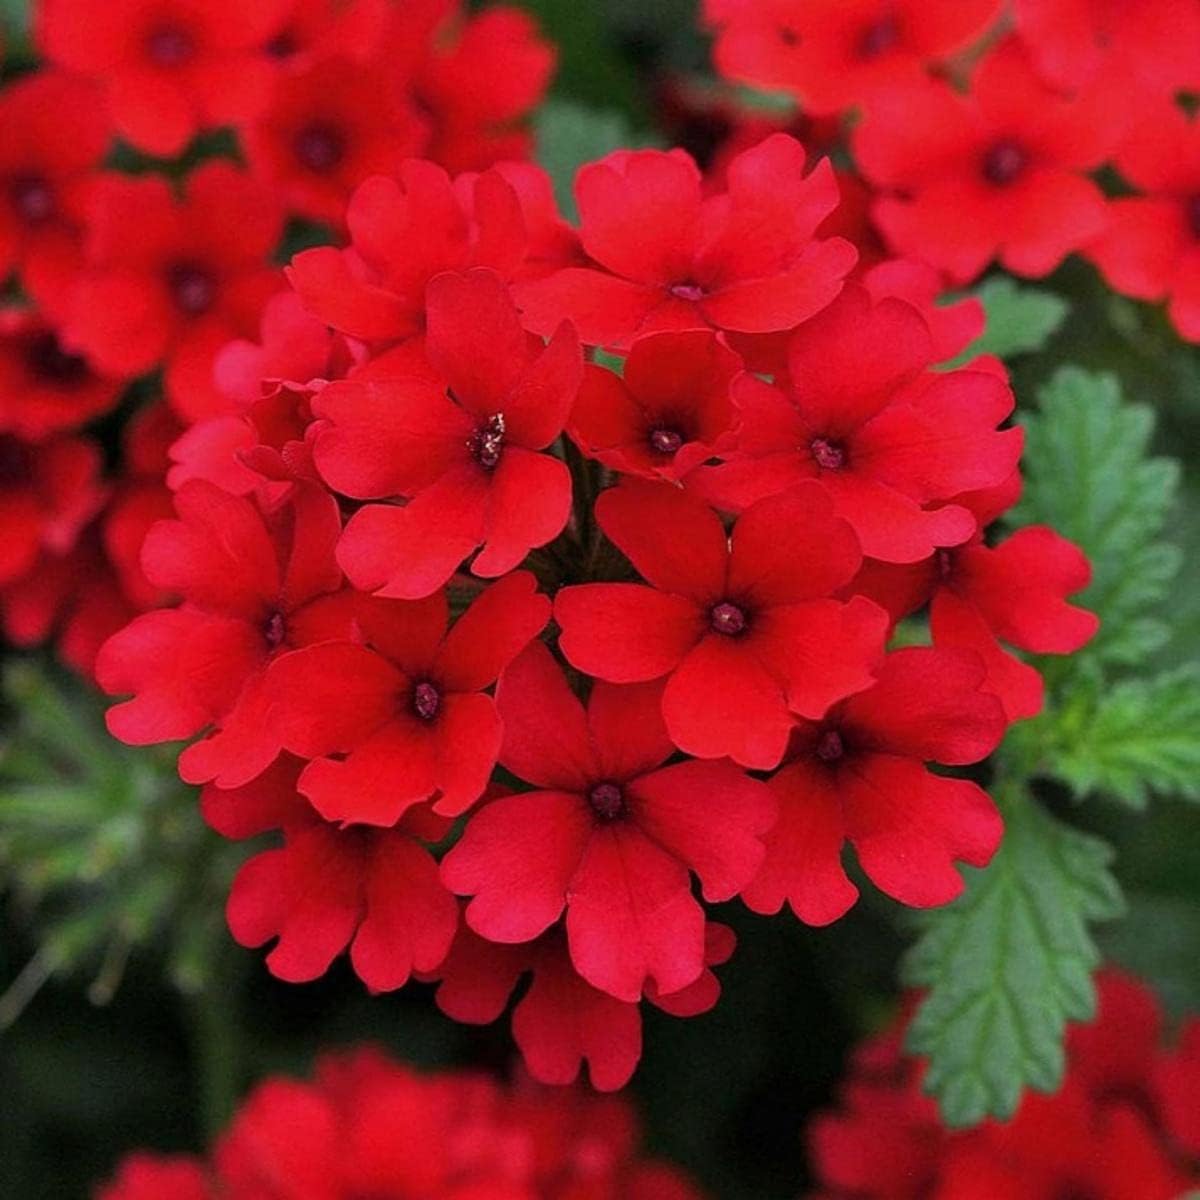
[(1020, 319)]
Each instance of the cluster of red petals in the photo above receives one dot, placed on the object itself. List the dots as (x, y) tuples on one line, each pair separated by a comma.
[(1123, 1124), (369, 1126), (983, 135)]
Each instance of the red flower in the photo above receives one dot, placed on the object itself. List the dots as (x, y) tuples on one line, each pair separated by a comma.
[(998, 174), (670, 412), (668, 258), (254, 585), (53, 134), (48, 493), (561, 1021), (1153, 46), (1101, 1135), (144, 1176), (883, 435), (837, 53), (464, 452), (742, 627), (407, 717), (611, 837), (1151, 249), (374, 890), (309, 30), (859, 776), (403, 232), (178, 282), (45, 389), (169, 68), (326, 130)]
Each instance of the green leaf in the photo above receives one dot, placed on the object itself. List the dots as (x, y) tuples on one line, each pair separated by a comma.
[(1137, 737), (1008, 964), (1020, 320), (569, 135), (1089, 475)]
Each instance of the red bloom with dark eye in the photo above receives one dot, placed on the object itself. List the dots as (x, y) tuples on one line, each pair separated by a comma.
[(742, 626), (884, 436), (836, 53), (375, 891), (561, 1021), (407, 717), (996, 174), (44, 389), (611, 836), (254, 585), (1151, 249), (53, 135), (403, 232), (326, 130), (668, 258), (669, 412), (177, 284), (859, 776), (466, 453), (169, 68)]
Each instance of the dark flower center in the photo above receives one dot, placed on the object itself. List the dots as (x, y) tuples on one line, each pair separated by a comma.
[(488, 442), (665, 441), (170, 46), (879, 38), (426, 700), (788, 36), (687, 291), (945, 563), (727, 618), (275, 629), (320, 147), (16, 465), (282, 45), (48, 360), (1004, 163), (193, 289), (1193, 215), (829, 456), (607, 801), (830, 746), (33, 199)]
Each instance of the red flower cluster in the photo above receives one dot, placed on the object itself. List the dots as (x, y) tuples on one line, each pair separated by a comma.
[(982, 139), (1123, 1125), (368, 1126)]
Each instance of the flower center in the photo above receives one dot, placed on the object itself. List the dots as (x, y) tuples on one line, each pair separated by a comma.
[(320, 147), (488, 442), (170, 46), (788, 36), (945, 563), (727, 618), (829, 456), (282, 45), (1193, 215), (274, 630), (1004, 163), (48, 360), (665, 441), (687, 291), (607, 801), (193, 289), (879, 38), (33, 199), (830, 746), (16, 466), (426, 700)]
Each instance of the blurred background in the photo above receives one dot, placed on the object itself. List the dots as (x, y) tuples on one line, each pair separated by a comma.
[(149, 1039)]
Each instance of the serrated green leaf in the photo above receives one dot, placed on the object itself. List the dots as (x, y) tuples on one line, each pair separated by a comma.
[(1137, 737), (1089, 475), (1008, 964), (569, 135), (1020, 320)]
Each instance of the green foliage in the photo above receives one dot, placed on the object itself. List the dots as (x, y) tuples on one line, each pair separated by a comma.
[(1009, 963), (1020, 319), (101, 844), (1138, 736), (1090, 476)]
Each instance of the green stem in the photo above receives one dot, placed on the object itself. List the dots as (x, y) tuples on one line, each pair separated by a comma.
[(216, 1038)]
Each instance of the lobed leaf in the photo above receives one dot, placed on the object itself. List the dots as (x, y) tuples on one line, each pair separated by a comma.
[(1020, 319)]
